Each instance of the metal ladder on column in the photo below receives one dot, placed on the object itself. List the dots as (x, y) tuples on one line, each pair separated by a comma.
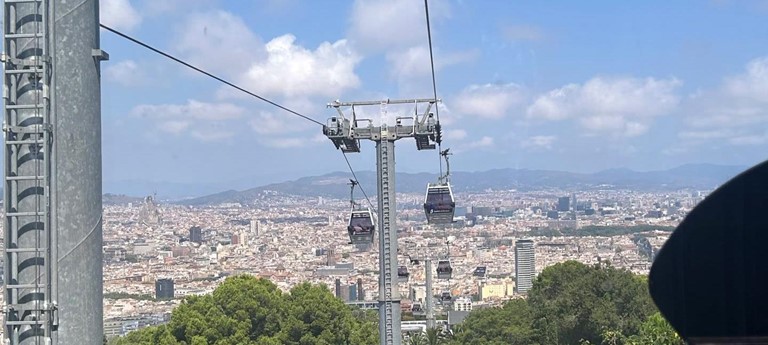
[(27, 128), (384, 233)]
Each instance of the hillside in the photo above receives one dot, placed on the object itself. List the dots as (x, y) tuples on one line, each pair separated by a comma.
[(333, 185)]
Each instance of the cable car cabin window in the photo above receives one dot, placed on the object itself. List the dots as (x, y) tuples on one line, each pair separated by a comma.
[(439, 200), (361, 227), (444, 266), (439, 204), (444, 270), (416, 308), (402, 272)]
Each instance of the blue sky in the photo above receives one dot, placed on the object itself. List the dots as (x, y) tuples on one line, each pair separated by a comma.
[(577, 86)]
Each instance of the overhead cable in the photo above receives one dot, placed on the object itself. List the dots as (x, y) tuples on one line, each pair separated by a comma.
[(434, 87), (222, 80), (431, 60), (355, 177), (198, 69)]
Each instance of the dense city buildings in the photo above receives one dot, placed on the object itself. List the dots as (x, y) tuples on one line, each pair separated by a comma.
[(293, 239)]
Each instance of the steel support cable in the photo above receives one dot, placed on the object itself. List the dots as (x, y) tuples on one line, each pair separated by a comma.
[(434, 86), (431, 59), (358, 181), (197, 69), (222, 80)]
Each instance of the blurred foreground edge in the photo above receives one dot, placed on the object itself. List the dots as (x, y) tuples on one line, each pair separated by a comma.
[(710, 279)]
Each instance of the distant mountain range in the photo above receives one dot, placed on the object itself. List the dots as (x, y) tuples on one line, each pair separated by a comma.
[(333, 185)]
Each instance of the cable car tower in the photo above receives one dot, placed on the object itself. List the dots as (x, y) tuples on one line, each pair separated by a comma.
[(346, 133), (30, 305), (428, 303), (52, 172)]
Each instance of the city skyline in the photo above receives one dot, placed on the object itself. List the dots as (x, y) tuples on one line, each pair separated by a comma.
[(524, 85)]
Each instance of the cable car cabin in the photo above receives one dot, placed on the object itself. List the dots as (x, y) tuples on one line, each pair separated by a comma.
[(402, 274), (361, 227), (416, 308), (439, 204), (479, 271), (444, 269), (445, 297)]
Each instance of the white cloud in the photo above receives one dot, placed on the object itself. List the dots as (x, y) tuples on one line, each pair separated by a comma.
[(223, 43), (291, 70), (397, 29), (220, 42), (455, 134), (411, 68), (267, 123), (517, 33), (384, 25), (621, 106), (174, 126), (157, 8), (748, 140), (447, 115), (490, 101), (705, 135), (125, 72), (413, 62), (285, 143), (202, 121), (539, 141), (740, 101), (483, 142), (192, 110), (736, 113), (633, 129), (119, 14), (211, 135), (675, 150), (319, 138), (752, 85)]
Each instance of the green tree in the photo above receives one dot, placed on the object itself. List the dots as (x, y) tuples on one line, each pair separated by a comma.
[(366, 329), (434, 336), (510, 324), (416, 339), (656, 330), (572, 302), (242, 309), (315, 316), (245, 310)]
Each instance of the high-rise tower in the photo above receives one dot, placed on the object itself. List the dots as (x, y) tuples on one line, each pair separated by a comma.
[(525, 265)]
